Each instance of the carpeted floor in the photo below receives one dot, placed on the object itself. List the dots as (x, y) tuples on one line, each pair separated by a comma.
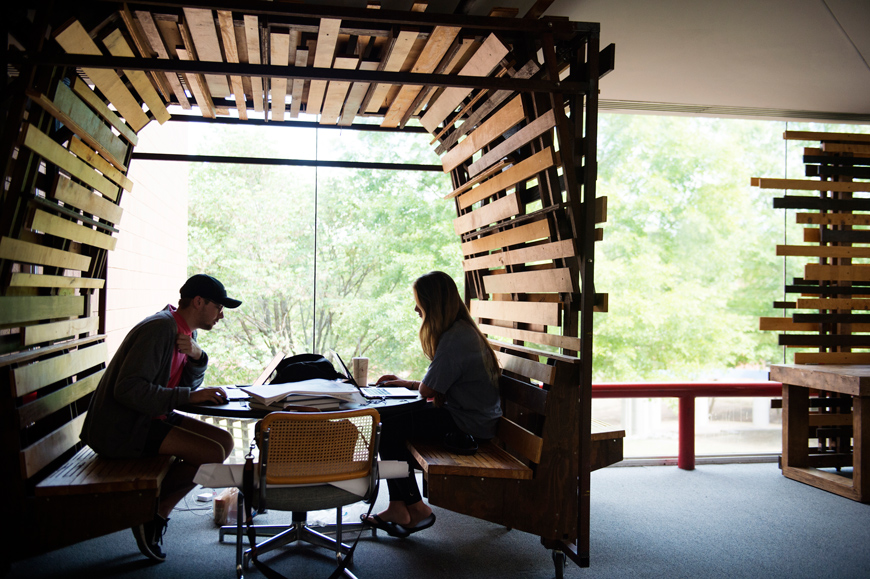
[(739, 520)]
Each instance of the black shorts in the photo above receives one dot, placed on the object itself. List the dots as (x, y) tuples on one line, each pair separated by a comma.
[(157, 432)]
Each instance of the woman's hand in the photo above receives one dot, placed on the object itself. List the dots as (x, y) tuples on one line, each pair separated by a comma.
[(390, 381)]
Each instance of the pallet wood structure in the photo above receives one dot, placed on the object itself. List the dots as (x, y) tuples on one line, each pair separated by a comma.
[(823, 392), (510, 102)]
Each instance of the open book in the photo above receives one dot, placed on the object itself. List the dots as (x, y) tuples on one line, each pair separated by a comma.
[(270, 393)]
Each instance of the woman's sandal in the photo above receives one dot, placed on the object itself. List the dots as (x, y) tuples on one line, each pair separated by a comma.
[(392, 529)]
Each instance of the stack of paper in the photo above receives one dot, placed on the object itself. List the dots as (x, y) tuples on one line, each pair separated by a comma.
[(314, 394)]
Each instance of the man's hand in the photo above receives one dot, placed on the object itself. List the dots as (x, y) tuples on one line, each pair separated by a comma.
[(208, 396), (186, 345)]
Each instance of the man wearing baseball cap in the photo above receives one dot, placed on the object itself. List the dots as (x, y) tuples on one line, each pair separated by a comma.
[(159, 367)]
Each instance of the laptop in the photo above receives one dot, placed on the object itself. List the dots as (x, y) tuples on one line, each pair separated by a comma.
[(376, 392)]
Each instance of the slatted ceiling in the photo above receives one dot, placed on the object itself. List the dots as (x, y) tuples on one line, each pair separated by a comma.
[(33, 253), (231, 51), (484, 61), (550, 281), (200, 23), (155, 42), (74, 39), (71, 193), (522, 137)]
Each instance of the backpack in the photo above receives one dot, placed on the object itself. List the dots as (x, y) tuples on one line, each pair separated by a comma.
[(304, 367)]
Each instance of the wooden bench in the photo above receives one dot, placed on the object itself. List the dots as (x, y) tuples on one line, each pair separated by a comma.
[(528, 477), (57, 491)]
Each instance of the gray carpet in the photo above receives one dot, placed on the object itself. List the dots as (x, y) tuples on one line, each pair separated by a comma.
[(733, 521)]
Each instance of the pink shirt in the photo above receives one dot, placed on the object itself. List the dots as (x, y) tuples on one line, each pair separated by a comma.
[(179, 359)]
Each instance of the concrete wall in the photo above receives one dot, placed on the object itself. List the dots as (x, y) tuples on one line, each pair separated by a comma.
[(149, 264)]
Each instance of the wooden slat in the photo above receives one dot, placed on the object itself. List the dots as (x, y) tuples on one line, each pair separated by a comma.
[(489, 461), (81, 120), (531, 131), (520, 440), (806, 185), (155, 40), (118, 46), (87, 473), (822, 251), (818, 136), (527, 71), (50, 403), (829, 419), (198, 87), (566, 342), (144, 50), (509, 237), (494, 127), (815, 271), (522, 171), (252, 39), (507, 206), (298, 84), (60, 227), (482, 63), (45, 147), (393, 63), (200, 23), (279, 55), (539, 281), (27, 252), (546, 251), (603, 431), (34, 376), (538, 354), (546, 313), (833, 304), (9, 360), (862, 150), (58, 281), (327, 38), (18, 309), (59, 330), (92, 158), (337, 91), (228, 35), (436, 47), (862, 358), (73, 194), (355, 96), (833, 218), (524, 367), (74, 39), (38, 455), (784, 325), (90, 97), (480, 177)]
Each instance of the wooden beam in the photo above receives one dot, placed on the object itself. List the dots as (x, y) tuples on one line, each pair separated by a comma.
[(298, 84), (842, 252), (542, 338), (356, 96), (32, 377), (198, 87)]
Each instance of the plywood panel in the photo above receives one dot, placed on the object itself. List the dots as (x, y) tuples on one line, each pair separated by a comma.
[(482, 63), (507, 206), (34, 376), (18, 309), (58, 281), (45, 147), (71, 193), (547, 251), (514, 236), (54, 225), (491, 129), (200, 24), (546, 313), (538, 281), (74, 39), (27, 252), (81, 120), (118, 47), (522, 171), (58, 330)]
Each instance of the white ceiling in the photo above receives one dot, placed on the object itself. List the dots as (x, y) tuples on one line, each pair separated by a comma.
[(786, 59)]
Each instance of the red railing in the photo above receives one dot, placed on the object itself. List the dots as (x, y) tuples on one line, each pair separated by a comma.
[(686, 392)]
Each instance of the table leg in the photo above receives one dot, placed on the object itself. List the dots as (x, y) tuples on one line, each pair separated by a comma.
[(795, 426)]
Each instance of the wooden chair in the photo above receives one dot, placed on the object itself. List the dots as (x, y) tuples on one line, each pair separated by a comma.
[(314, 450)]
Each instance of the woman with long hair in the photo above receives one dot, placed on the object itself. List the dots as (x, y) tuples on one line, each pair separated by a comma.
[(462, 384)]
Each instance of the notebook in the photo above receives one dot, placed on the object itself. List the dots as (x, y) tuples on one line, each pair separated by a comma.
[(376, 392)]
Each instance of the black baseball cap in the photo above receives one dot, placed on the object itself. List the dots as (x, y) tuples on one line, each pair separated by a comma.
[(209, 288)]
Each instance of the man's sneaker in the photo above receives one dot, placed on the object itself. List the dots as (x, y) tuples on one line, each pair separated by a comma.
[(149, 537)]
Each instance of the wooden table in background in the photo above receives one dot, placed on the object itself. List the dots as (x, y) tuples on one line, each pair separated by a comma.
[(800, 419)]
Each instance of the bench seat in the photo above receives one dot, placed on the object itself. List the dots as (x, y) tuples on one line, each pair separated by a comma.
[(489, 461)]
